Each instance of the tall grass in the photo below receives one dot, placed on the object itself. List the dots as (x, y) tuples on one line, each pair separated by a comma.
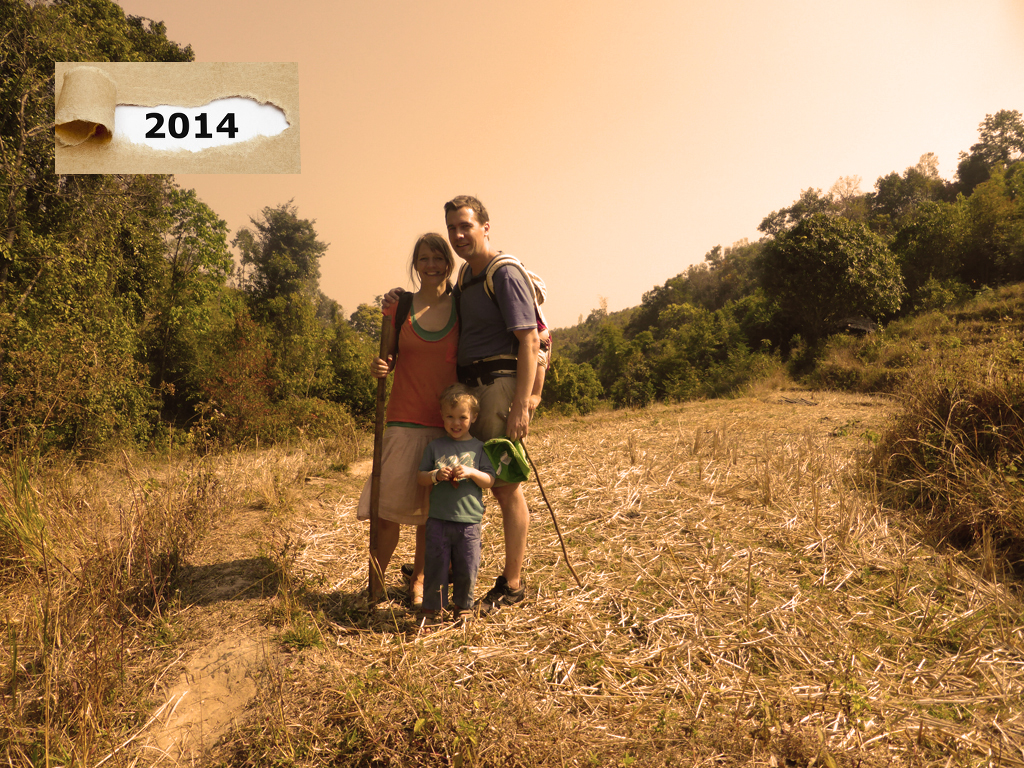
[(954, 458), (89, 555), (87, 561)]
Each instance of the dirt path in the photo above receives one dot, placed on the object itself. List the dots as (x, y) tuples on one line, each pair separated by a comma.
[(226, 627)]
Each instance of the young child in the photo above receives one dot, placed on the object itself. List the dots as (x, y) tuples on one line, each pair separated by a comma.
[(457, 469)]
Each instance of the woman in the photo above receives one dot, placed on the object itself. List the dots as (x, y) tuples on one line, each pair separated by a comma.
[(423, 357)]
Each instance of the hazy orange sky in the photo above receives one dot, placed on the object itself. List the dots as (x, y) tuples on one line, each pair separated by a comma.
[(613, 143)]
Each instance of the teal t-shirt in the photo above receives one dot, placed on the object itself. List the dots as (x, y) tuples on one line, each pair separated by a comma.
[(463, 503)]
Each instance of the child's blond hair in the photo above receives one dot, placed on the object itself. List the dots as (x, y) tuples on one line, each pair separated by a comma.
[(457, 394)]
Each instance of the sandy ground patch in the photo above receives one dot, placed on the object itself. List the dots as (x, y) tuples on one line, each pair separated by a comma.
[(209, 696)]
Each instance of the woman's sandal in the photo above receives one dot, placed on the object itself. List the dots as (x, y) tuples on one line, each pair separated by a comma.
[(415, 597)]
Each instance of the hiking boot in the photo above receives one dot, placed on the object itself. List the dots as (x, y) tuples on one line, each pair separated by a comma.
[(500, 596)]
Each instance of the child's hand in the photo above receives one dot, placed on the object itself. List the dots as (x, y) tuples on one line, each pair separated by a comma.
[(444, 473)]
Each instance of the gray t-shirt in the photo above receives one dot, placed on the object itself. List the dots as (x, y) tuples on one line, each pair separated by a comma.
[(486, 330), (462, 503)]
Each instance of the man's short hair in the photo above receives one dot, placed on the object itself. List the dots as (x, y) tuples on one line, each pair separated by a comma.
[(457, 394), (467, 201)]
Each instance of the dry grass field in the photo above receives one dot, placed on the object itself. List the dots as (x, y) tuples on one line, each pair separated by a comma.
[(745, 601)]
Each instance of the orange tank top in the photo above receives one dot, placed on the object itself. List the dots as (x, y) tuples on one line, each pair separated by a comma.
[(424, 369)]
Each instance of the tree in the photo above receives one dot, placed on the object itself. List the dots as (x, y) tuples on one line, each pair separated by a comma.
[(284, 253), (573, 389), (80, 256), (33, 36), (896, 197), (282, 285), (1002, 138), (348, 356), (847, 198), (367, 320), (827, 267), (994, 247), (1001, 143), (930, 246), (197, 263), (810, 203)]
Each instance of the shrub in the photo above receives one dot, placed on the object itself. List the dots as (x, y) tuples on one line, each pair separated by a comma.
[(939, 294), (66, 388), (570, 388), (953, 456)]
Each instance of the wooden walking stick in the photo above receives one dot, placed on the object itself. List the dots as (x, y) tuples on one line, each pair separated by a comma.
[(376, 577), (554, 520)]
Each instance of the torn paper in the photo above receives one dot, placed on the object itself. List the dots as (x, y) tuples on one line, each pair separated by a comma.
[(85, 109), (196, 132)]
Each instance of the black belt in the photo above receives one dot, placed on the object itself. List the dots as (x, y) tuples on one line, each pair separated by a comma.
[(484, 372)]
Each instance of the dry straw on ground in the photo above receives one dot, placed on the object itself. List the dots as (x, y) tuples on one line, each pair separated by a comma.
[(745, 602)]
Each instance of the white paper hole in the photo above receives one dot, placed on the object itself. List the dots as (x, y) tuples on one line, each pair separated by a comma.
[(198, 128)]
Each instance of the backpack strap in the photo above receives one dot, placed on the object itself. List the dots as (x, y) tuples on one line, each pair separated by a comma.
[(506, 259), (401, 315), (460, 281)]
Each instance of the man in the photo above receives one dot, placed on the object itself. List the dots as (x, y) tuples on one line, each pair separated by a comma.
[(498, 347)]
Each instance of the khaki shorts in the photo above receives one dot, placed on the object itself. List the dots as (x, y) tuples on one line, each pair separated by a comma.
[(495, 400)]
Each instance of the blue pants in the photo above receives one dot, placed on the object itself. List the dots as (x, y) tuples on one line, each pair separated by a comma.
[(457, 544)]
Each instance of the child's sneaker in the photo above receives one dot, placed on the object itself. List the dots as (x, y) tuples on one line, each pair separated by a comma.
[(462, 615), (501, 596), (429, 622)]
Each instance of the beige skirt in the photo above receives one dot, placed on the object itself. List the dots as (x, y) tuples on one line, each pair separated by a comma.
[(402, 499)]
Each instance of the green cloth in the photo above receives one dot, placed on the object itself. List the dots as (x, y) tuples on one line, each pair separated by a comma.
[(509, 459)]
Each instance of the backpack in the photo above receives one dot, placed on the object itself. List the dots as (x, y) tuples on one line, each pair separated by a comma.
[(540, 291)]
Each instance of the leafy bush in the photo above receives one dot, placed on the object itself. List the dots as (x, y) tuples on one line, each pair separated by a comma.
[(570, 388), (62, 387), (635, 387), (939, 294), (314, 419)]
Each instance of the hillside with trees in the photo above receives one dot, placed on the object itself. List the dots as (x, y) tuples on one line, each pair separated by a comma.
[(124, 320), (829, 263)]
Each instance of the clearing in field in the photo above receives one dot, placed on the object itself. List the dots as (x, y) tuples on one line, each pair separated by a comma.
[(745, 601)]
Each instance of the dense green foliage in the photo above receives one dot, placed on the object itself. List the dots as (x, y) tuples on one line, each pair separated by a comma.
[(120, 319), (828, 267)]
